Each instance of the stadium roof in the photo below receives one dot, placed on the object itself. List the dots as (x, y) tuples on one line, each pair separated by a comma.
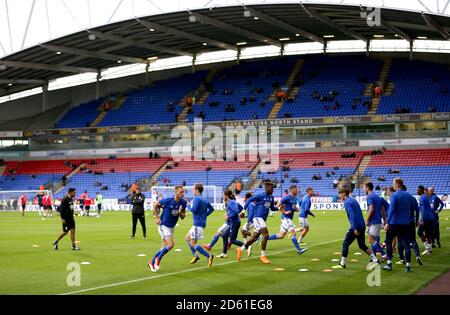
[(140, 40)]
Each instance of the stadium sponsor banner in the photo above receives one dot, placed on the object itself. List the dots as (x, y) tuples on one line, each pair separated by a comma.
[(283, 122), (327, 206), (338, 143), (399, 142), (10, 134), (262, 146), (6, 154), (93, 152)]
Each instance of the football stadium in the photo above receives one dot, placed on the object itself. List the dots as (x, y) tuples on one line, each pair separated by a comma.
[(224, 147)]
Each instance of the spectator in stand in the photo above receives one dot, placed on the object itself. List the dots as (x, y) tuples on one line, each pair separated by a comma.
[(335, 182), (281, 95), (377, 91), (315, 95), (432, 109)]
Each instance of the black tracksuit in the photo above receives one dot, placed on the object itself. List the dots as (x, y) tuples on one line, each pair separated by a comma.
[(67, 207), (137, 201)]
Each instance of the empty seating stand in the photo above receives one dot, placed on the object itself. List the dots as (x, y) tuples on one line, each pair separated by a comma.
[(347, 75), (418, 85), (111, 172)]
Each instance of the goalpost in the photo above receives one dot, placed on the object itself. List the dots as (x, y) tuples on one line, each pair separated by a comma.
[(212, 193), (9, 199)]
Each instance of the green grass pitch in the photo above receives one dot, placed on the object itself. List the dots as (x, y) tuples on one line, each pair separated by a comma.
[(116, 268)]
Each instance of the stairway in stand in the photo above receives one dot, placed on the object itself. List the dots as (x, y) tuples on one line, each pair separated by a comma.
[(292, 91)]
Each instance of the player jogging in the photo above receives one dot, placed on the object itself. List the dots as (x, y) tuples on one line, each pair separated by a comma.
[(173, 208), (263, 203), (39, 196), (305, 210), (413, 223), (436, 205), (248, 227), (48, 203), (99, 200), (23, 203), (201, 209), (229, 230), (287, 206), (356, 230), (68, 221), (397, 223), (426, 224), (375, 212)]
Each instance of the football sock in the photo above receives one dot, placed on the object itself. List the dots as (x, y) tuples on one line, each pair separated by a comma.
[(164, 251), (214, 241), (201, 250), (191, 248), (294, 241)]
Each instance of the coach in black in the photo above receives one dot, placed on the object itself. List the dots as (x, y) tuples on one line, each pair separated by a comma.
[(68, 221), (137, 201)]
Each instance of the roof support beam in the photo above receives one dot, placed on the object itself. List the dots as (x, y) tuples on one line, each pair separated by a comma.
[(295, 30), (21, 81), (314, 14), (41, 66), (430, 22), (179, 33), (234, 29), (93, 54), (132, 42), (395, 30), (79, 58)]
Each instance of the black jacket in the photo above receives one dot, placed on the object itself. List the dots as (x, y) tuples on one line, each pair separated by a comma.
[(67, 208), (137, 200)]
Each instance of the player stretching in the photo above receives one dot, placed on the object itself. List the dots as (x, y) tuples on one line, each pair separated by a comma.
[(23, 203), (375, 212), (436, 205), (230, 229), (263, 203), (173, 208), (201, 209), (357, 228), (287, 206), (397, 223), (68, 221), (305, 207)]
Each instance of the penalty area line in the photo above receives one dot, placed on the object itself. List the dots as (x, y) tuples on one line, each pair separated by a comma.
[(116, 284)]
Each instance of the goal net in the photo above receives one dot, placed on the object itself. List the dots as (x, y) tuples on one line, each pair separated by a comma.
[(9, 199), (212, 193)]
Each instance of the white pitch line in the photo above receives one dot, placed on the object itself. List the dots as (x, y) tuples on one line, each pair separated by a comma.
[(180, 272)]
